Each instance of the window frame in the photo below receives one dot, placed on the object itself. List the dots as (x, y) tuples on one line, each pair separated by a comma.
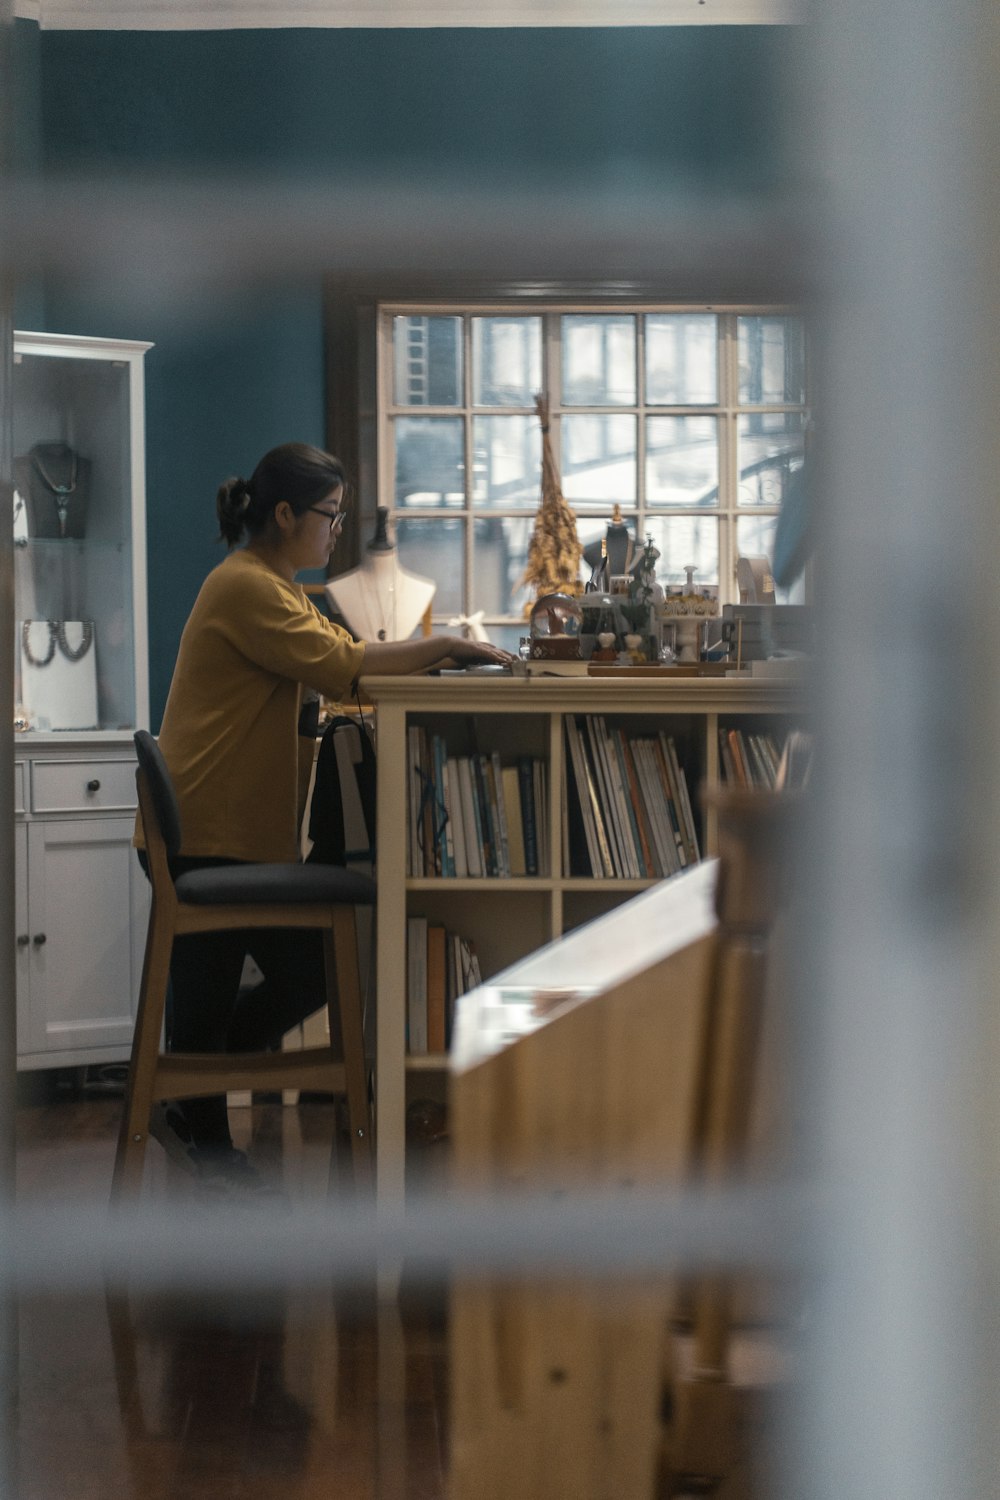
[(360, 340)]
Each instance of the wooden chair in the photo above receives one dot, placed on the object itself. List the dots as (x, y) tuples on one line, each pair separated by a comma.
[(222, 898)]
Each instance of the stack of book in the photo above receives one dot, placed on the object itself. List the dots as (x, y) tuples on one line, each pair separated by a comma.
[(754, 761), (628, 813), (474, 816), (440, 966)]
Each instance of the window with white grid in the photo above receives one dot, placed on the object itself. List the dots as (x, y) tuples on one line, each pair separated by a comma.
[(690, 419)]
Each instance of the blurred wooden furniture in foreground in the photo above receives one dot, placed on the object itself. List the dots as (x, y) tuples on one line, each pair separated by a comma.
[(620, 1058)]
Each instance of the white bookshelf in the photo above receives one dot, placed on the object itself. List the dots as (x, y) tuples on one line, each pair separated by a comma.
[(510, 918)]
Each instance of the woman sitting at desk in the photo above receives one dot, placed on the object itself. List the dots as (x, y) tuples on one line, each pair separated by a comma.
[(230, 739)]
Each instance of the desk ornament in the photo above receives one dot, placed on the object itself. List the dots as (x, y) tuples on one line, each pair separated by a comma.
[(554, 550)]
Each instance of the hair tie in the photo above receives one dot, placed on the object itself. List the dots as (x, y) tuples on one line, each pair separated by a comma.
[(243, 493)]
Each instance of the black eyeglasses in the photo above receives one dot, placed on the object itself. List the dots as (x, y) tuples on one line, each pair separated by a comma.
[(336, 518)]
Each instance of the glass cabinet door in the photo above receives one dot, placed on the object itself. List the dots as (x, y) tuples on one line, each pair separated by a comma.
[(79, 536)]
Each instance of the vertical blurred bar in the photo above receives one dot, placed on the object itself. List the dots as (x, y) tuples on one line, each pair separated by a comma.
[(904, 922), (8, 1005)]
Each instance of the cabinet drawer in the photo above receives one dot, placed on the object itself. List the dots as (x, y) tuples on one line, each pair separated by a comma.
[(59, 786), (18, 788)]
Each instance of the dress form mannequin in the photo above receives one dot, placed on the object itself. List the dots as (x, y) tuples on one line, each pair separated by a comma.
[(379, 600), (613, 555)]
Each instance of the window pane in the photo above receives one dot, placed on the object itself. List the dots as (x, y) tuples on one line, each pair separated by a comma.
[(769, 448), (755, 538), (506, 361), (682, 461), (435, 548), (681, 359), (507, 464), (684, 540), (772, 360), (430, 467), (598, 459), (427, 361), (598, 359), (499, 558)]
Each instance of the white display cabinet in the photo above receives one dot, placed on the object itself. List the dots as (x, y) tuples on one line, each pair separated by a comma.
[(81, 691)]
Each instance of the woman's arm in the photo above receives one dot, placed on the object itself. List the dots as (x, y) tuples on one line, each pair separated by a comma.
[(392, 658)]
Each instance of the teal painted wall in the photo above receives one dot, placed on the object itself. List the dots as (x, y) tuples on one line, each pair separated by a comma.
[(23, 146), (664, 107)]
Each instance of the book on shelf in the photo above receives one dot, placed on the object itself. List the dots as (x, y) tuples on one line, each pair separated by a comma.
[(663, 765), (456, 818), (621, 803), (470, 817), (416, 858), (728, 770), (443, 832), (796, 761), (441, 965), (540, 788), (754, 762), (416, 985), (487, 832), (499, 814), (689, 827), (598, 853), (590, 729), (529, 826), (436, 987), (511, 779), (737, 751), (627, 807), (656, 799), (640, 819)]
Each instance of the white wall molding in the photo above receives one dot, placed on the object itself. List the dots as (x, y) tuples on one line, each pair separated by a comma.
[(224, 15)]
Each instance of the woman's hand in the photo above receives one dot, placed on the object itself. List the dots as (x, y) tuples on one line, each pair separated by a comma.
[(463, 652), (383, 658)]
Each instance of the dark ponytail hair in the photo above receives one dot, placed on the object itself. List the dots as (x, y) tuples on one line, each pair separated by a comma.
[(294, 472)]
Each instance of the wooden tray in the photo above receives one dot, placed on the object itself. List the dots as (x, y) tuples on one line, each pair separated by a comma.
[(656, 669)]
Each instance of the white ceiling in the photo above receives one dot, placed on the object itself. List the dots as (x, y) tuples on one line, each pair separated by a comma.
[(221, 15)]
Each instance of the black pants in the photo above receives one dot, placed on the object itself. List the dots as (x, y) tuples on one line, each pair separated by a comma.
[(209, 1012)]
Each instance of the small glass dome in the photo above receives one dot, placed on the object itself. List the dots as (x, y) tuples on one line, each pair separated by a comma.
[(556, 614)]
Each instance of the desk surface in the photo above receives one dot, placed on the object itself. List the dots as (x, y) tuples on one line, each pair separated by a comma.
[(476, 693)]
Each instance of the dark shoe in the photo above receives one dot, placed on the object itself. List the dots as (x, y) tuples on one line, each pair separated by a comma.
[(168, 1126), (226, 1173)]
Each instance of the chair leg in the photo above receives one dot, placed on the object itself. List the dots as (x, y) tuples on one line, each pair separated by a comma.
[(134, 1131), (344, 989)]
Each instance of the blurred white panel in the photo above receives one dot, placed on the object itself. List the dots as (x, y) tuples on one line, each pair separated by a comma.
[(213, 15)]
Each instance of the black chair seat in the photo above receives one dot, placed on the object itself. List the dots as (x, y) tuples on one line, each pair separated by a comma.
[(275, 885)]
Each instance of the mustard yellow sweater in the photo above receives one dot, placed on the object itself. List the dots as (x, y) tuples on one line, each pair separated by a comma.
[(230, 727)]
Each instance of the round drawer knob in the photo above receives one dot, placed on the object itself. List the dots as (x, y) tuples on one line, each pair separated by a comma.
[(38, 939), (23, 940), (93, 786)]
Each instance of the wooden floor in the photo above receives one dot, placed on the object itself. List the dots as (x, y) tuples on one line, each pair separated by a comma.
[(270, 1397)]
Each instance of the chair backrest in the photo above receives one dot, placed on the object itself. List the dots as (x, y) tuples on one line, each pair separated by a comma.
[(161, 789)]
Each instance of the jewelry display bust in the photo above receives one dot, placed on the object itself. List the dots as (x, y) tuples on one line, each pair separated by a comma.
[(379, 600), (612, 555), (53, 479)]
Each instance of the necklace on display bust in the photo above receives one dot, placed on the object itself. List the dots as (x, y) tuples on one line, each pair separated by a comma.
[(57, 637), (380, 607), (60, 490)]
